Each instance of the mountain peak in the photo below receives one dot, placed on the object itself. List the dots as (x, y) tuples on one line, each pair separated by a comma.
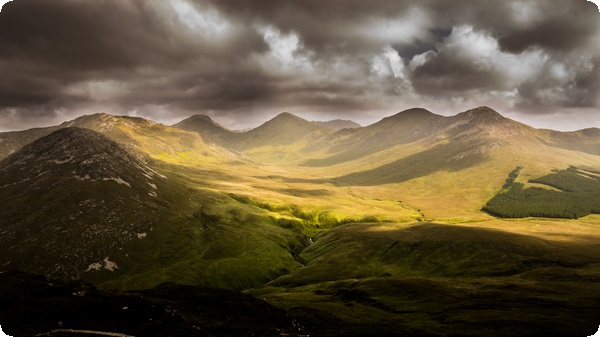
[(286, 118), (414, 112), (198, 119), (103, 122), (208, 129), (482, 112), (201, 117), (289, 116)]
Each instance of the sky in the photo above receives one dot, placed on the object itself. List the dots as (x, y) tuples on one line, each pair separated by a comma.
[(243, 62)]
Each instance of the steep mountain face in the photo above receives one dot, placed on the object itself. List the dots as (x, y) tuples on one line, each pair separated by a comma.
[(71, 197), (210, 130), (482, 122), (338, 124), (405, 127)]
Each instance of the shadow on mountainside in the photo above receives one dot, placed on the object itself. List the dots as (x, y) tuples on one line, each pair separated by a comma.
[(450, 157)]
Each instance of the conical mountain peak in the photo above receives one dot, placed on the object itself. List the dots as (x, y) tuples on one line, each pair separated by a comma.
[(288, 120), (414, 112), (208, 129), (201, 117), (195, 122), (482, 113), (286, 116), (414, 118)]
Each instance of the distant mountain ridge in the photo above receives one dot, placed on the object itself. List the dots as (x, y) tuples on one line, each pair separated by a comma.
[(414, 143), (142, 137), (406, 126)]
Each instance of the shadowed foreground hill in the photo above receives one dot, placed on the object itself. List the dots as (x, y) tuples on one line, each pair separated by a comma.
[(69, 198), (35, 306), (77, 204)]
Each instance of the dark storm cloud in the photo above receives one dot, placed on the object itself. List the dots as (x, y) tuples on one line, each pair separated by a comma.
[(558, 27), (168, 59)]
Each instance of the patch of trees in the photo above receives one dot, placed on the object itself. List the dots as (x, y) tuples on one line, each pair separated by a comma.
[(578, 196), (511, 177)]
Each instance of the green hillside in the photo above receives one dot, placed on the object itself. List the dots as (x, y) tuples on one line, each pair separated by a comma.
[(435, 279)]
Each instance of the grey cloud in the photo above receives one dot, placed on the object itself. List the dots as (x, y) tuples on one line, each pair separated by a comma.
[(578, 89), (559, 27), (446, 75), (66, 55)]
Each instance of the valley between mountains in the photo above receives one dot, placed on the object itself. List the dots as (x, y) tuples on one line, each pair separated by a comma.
[(417, 225)]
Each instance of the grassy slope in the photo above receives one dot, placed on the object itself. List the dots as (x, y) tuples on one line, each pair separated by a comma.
[(512, 278)]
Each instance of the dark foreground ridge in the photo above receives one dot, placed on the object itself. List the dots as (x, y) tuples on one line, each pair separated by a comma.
[(33, 305)]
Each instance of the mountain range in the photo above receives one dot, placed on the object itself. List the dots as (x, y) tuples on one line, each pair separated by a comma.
[(318, 218)]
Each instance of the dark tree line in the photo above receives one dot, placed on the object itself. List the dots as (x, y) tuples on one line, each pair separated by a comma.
[(579, 196)]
